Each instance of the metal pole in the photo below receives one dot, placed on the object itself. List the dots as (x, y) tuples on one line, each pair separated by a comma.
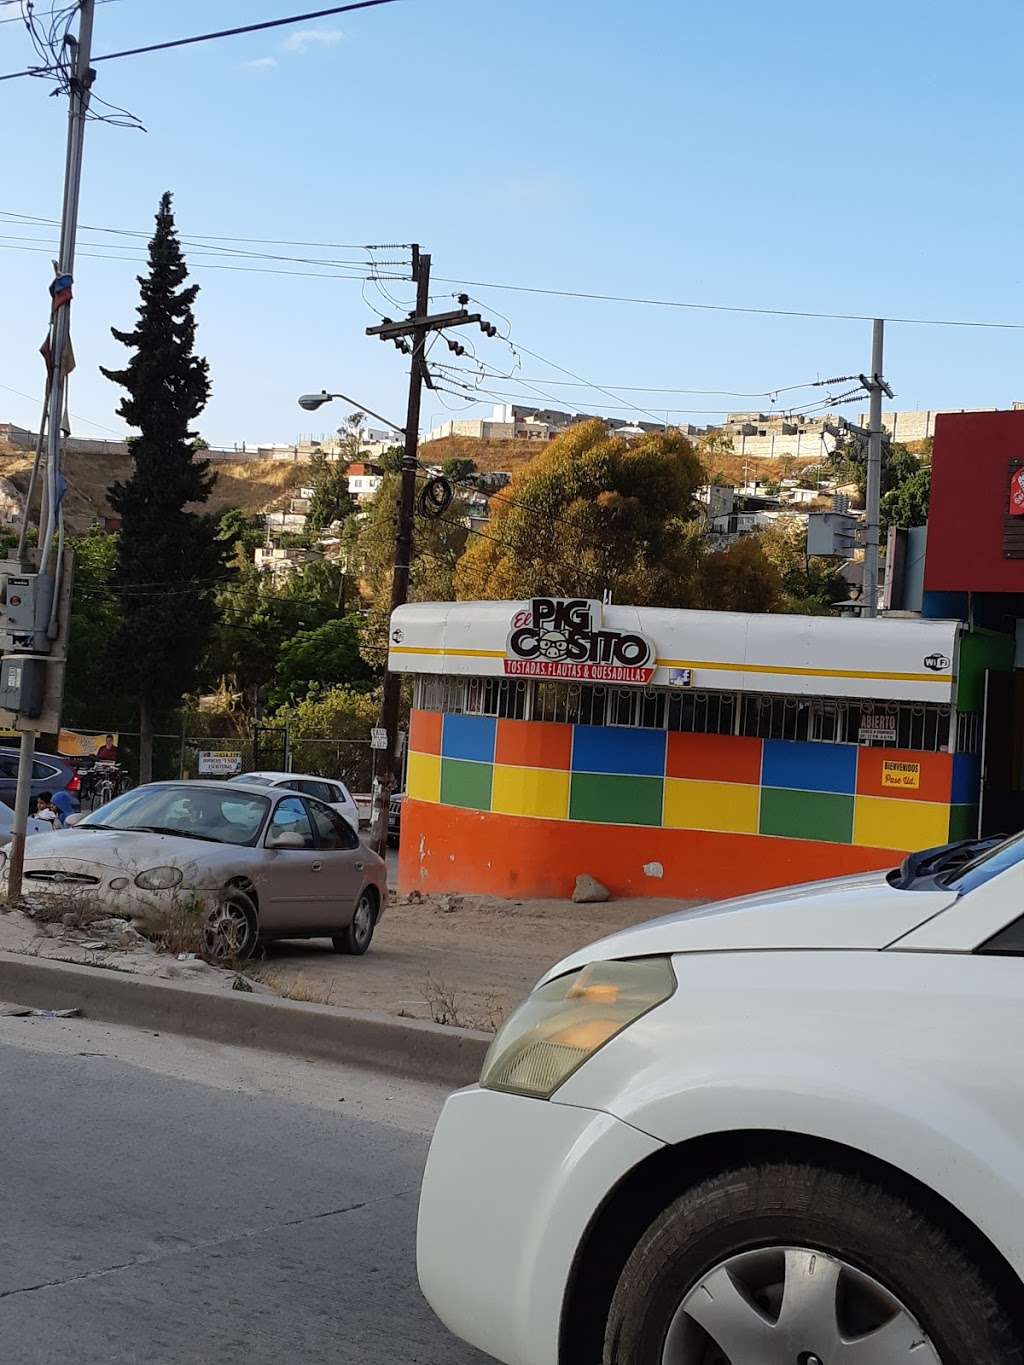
[(60, 333), (60, 325), (403, 551), (23, 791), (874, 483)]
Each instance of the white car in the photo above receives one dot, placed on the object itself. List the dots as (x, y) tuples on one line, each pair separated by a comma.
[(327, 789), (786, 1129), (257, 863)]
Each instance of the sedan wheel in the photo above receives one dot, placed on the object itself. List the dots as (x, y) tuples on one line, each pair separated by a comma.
[(356, 938), (793, 1306), (789, 1263), (231, 928)]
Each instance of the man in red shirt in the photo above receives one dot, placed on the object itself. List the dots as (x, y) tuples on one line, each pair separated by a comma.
[(107, 752)]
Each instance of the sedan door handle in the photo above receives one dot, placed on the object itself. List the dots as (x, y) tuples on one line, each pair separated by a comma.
[(317, 867)]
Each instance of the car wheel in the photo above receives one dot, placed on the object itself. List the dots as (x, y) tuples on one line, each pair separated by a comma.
[(231, 927), (356, 938), (800, 1265)]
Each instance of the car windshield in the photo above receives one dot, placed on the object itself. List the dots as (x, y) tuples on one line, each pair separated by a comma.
[(218, 815), (987, 865)]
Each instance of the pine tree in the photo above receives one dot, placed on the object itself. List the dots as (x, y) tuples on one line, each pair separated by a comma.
[(167, 554)]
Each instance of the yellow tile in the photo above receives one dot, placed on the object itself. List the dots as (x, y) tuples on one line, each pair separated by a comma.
[(540, 792), (423, 777), (907, 825), (729, 806)]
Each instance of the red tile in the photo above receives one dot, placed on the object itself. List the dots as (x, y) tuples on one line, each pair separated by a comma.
[(533, 744), (934, 774), (714, 758), (425, 732)]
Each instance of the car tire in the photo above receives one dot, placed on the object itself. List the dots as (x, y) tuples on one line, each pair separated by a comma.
[(232, 927), (358, 935), (717, 1257)]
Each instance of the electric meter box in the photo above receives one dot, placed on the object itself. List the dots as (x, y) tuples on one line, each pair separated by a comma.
[(25, 611), (22, 683)]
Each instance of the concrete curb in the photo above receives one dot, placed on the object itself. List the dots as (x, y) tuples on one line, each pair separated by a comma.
[(402, 1047)]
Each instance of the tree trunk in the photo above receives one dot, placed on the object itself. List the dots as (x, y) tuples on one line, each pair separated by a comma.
[(145, 741)]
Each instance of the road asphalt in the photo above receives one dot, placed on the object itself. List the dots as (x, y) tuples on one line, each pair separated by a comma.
[(169, 1201)]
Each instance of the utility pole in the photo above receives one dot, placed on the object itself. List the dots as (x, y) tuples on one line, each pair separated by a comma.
[(390, 701), (46, 593), (876, 386), (410, 336)]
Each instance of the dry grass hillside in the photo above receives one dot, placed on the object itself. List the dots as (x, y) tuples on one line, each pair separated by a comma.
[(253, 485), (488, 455)]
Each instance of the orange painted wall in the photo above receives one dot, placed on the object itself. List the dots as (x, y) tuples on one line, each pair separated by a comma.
[(445, 848)]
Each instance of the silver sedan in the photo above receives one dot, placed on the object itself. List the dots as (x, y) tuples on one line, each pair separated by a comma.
[(256, 863)]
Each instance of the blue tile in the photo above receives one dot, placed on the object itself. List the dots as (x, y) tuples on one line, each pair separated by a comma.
[(966, 779), (469, 737), (810, 767), (608, 749)]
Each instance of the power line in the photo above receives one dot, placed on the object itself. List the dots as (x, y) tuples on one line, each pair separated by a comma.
[(211, 265), (207, 37), (222, 237), (638, 388), (42, 14), (726, 308)]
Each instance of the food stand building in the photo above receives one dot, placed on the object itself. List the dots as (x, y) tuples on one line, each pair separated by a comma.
[(679, 753)]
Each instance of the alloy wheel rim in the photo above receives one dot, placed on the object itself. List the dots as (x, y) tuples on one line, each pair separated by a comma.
[(227, 931), (792, 1305), (362, 920)]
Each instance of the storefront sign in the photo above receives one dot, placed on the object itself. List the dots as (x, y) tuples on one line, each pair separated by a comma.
[(564, 638), (898, 774), (876, 728), (220, 763)]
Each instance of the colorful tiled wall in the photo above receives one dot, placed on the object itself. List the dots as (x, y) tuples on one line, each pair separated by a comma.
[(830, 793)]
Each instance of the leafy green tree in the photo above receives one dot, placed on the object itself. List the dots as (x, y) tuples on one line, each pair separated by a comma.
[(241, 531), (343, 716), (458, 470), (591, 513), (810, 585), (168, 556), (907, 504), (438, 546), (331, 501), (92, 690), (325, 657)]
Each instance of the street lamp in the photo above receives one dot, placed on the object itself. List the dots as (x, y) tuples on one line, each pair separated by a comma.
[(311, 401)]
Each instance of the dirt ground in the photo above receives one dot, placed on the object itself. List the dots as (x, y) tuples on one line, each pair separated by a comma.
[(467, 965)]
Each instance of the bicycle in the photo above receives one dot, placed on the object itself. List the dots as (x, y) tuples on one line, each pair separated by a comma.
[(102, 783)]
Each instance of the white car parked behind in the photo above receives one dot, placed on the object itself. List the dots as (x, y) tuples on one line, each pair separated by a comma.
[(783, 1130), (327, 789)]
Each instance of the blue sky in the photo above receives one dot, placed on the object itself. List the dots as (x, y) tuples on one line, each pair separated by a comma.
[(800, 156)]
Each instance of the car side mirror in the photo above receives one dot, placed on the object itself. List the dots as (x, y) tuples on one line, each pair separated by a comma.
[(288, 839), (74, 820)]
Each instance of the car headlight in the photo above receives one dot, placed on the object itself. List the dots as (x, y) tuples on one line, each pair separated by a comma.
[(564, 1022), (158, 878)]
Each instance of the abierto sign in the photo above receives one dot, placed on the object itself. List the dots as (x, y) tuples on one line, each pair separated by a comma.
[(564, 638)]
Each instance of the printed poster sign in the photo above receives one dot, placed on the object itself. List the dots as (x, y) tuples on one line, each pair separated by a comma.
[(560, 638), (877, 728), (219, 763), (84, 744), (897, 773), (1016, 508), (378, 738)]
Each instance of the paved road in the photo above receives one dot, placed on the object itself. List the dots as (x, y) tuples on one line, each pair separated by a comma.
[(254, 1217)]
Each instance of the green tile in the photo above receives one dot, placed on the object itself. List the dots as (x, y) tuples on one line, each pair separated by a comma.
[(612, 800), (807, 815), (466, 784), (963, 822)]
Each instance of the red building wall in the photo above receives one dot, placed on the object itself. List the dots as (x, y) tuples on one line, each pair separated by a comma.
[(970, 488)]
